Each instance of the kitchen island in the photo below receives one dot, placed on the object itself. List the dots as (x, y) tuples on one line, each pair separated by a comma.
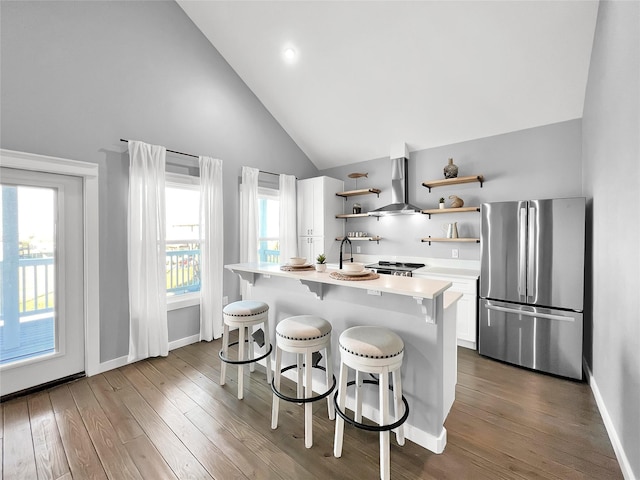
[(414, 308)]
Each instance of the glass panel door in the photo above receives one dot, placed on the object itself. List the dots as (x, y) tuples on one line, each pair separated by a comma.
[(27, 304), (42, 271)]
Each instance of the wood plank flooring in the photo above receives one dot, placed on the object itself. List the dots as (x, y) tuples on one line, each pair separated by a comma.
[(167, 418)]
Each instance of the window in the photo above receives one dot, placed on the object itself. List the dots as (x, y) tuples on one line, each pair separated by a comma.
[(268, 225), (182, 237)]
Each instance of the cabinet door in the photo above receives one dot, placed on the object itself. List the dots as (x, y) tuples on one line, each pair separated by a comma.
[(303, 247), (316, 247), (466, 321), (311, 247), (306, 201), (311, 207), (318, 205)]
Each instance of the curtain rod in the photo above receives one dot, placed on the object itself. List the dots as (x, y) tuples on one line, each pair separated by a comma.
[(172, 151), (196, 156)]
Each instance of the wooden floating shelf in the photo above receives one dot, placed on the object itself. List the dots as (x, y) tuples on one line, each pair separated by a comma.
[(453, 181), (458, 240), (435, 211), (352, 215), (364, 191), (361, 239)]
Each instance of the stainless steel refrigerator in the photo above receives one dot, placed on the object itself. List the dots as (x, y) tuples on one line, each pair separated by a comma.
[(532, 284)]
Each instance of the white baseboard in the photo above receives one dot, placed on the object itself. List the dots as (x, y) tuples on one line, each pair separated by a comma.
[(623, 461), (183, 342), (122, 361), (466, 344)]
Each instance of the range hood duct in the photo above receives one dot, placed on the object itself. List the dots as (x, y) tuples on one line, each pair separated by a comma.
[(399, 192)]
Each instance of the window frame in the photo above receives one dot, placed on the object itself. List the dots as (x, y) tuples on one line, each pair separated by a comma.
[(186, 182), (268, 193)]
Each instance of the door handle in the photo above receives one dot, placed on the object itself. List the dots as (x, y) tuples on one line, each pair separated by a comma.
[(526, 313), (522, 251), (532, 270)]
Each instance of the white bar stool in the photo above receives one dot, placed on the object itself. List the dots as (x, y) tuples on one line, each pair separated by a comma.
[(243, 315), (303, 335), (379, 351)]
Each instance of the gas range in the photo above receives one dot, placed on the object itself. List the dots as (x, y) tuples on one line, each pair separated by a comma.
[(395, 268)]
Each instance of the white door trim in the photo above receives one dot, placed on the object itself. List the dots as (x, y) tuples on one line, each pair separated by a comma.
[(89, 174)]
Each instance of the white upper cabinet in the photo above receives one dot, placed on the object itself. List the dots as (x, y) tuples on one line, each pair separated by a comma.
[(316, 201), (318, 227)]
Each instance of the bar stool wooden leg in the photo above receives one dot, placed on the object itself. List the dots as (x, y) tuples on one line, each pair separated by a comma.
[(252, 365), (241, 331), (225, 352), (267, 335), (385, 470), (358, 410), (342, 396), (276, 381), (300, 384), (329, 377), (398, 408), (308, 407)]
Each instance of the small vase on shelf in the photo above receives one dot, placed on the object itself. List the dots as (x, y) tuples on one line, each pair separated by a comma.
[(441, 203), (451, 169)]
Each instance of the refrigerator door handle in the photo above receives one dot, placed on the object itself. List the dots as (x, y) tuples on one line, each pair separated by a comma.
[(532, 251), (526, 313), (522, 251)]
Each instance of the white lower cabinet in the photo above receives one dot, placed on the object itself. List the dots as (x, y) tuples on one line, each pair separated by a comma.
[(466, 319)]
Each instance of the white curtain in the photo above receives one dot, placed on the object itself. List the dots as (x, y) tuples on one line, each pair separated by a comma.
[(248, 220), (249, 215), (148, 331), (211, 248), (288, 233)]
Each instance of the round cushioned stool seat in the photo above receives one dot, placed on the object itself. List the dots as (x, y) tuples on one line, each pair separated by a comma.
[(245, 309), (303, 327), (371, 342)]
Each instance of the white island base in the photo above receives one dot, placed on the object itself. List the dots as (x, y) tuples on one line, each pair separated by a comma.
[(411, 307)]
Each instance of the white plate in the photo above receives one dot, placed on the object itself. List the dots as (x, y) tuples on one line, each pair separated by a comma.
[(355, 274), (304, 265)]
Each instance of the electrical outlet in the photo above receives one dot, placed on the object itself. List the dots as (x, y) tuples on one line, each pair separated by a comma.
[(454, 253), (225, 300), (358, 249)]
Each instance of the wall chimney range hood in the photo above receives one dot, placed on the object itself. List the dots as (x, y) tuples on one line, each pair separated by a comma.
[(399, 187)]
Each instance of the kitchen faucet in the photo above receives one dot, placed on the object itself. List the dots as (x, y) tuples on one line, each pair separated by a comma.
[(345, 239)]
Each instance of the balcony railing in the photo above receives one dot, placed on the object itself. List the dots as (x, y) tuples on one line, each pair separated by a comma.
[(27, 325), (183, 270), (35, 289)]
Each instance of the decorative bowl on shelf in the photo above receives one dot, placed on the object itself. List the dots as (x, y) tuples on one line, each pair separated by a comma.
[(353, 267), (297, 260)]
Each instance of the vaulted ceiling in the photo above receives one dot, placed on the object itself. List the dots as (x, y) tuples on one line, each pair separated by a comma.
[(370, 74)]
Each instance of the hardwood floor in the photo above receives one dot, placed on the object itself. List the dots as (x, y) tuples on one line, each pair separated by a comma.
[(167, 418)]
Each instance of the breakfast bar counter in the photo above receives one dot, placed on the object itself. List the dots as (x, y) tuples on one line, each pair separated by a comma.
[(414, 308)]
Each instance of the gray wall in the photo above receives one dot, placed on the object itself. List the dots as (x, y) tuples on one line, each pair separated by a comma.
[(78, 76), (542, 162), (611, 152)]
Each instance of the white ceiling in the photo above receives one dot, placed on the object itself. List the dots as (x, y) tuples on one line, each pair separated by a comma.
[(371, 74)]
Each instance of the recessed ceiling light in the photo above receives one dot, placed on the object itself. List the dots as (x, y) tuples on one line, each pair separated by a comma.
[(289, 54)]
